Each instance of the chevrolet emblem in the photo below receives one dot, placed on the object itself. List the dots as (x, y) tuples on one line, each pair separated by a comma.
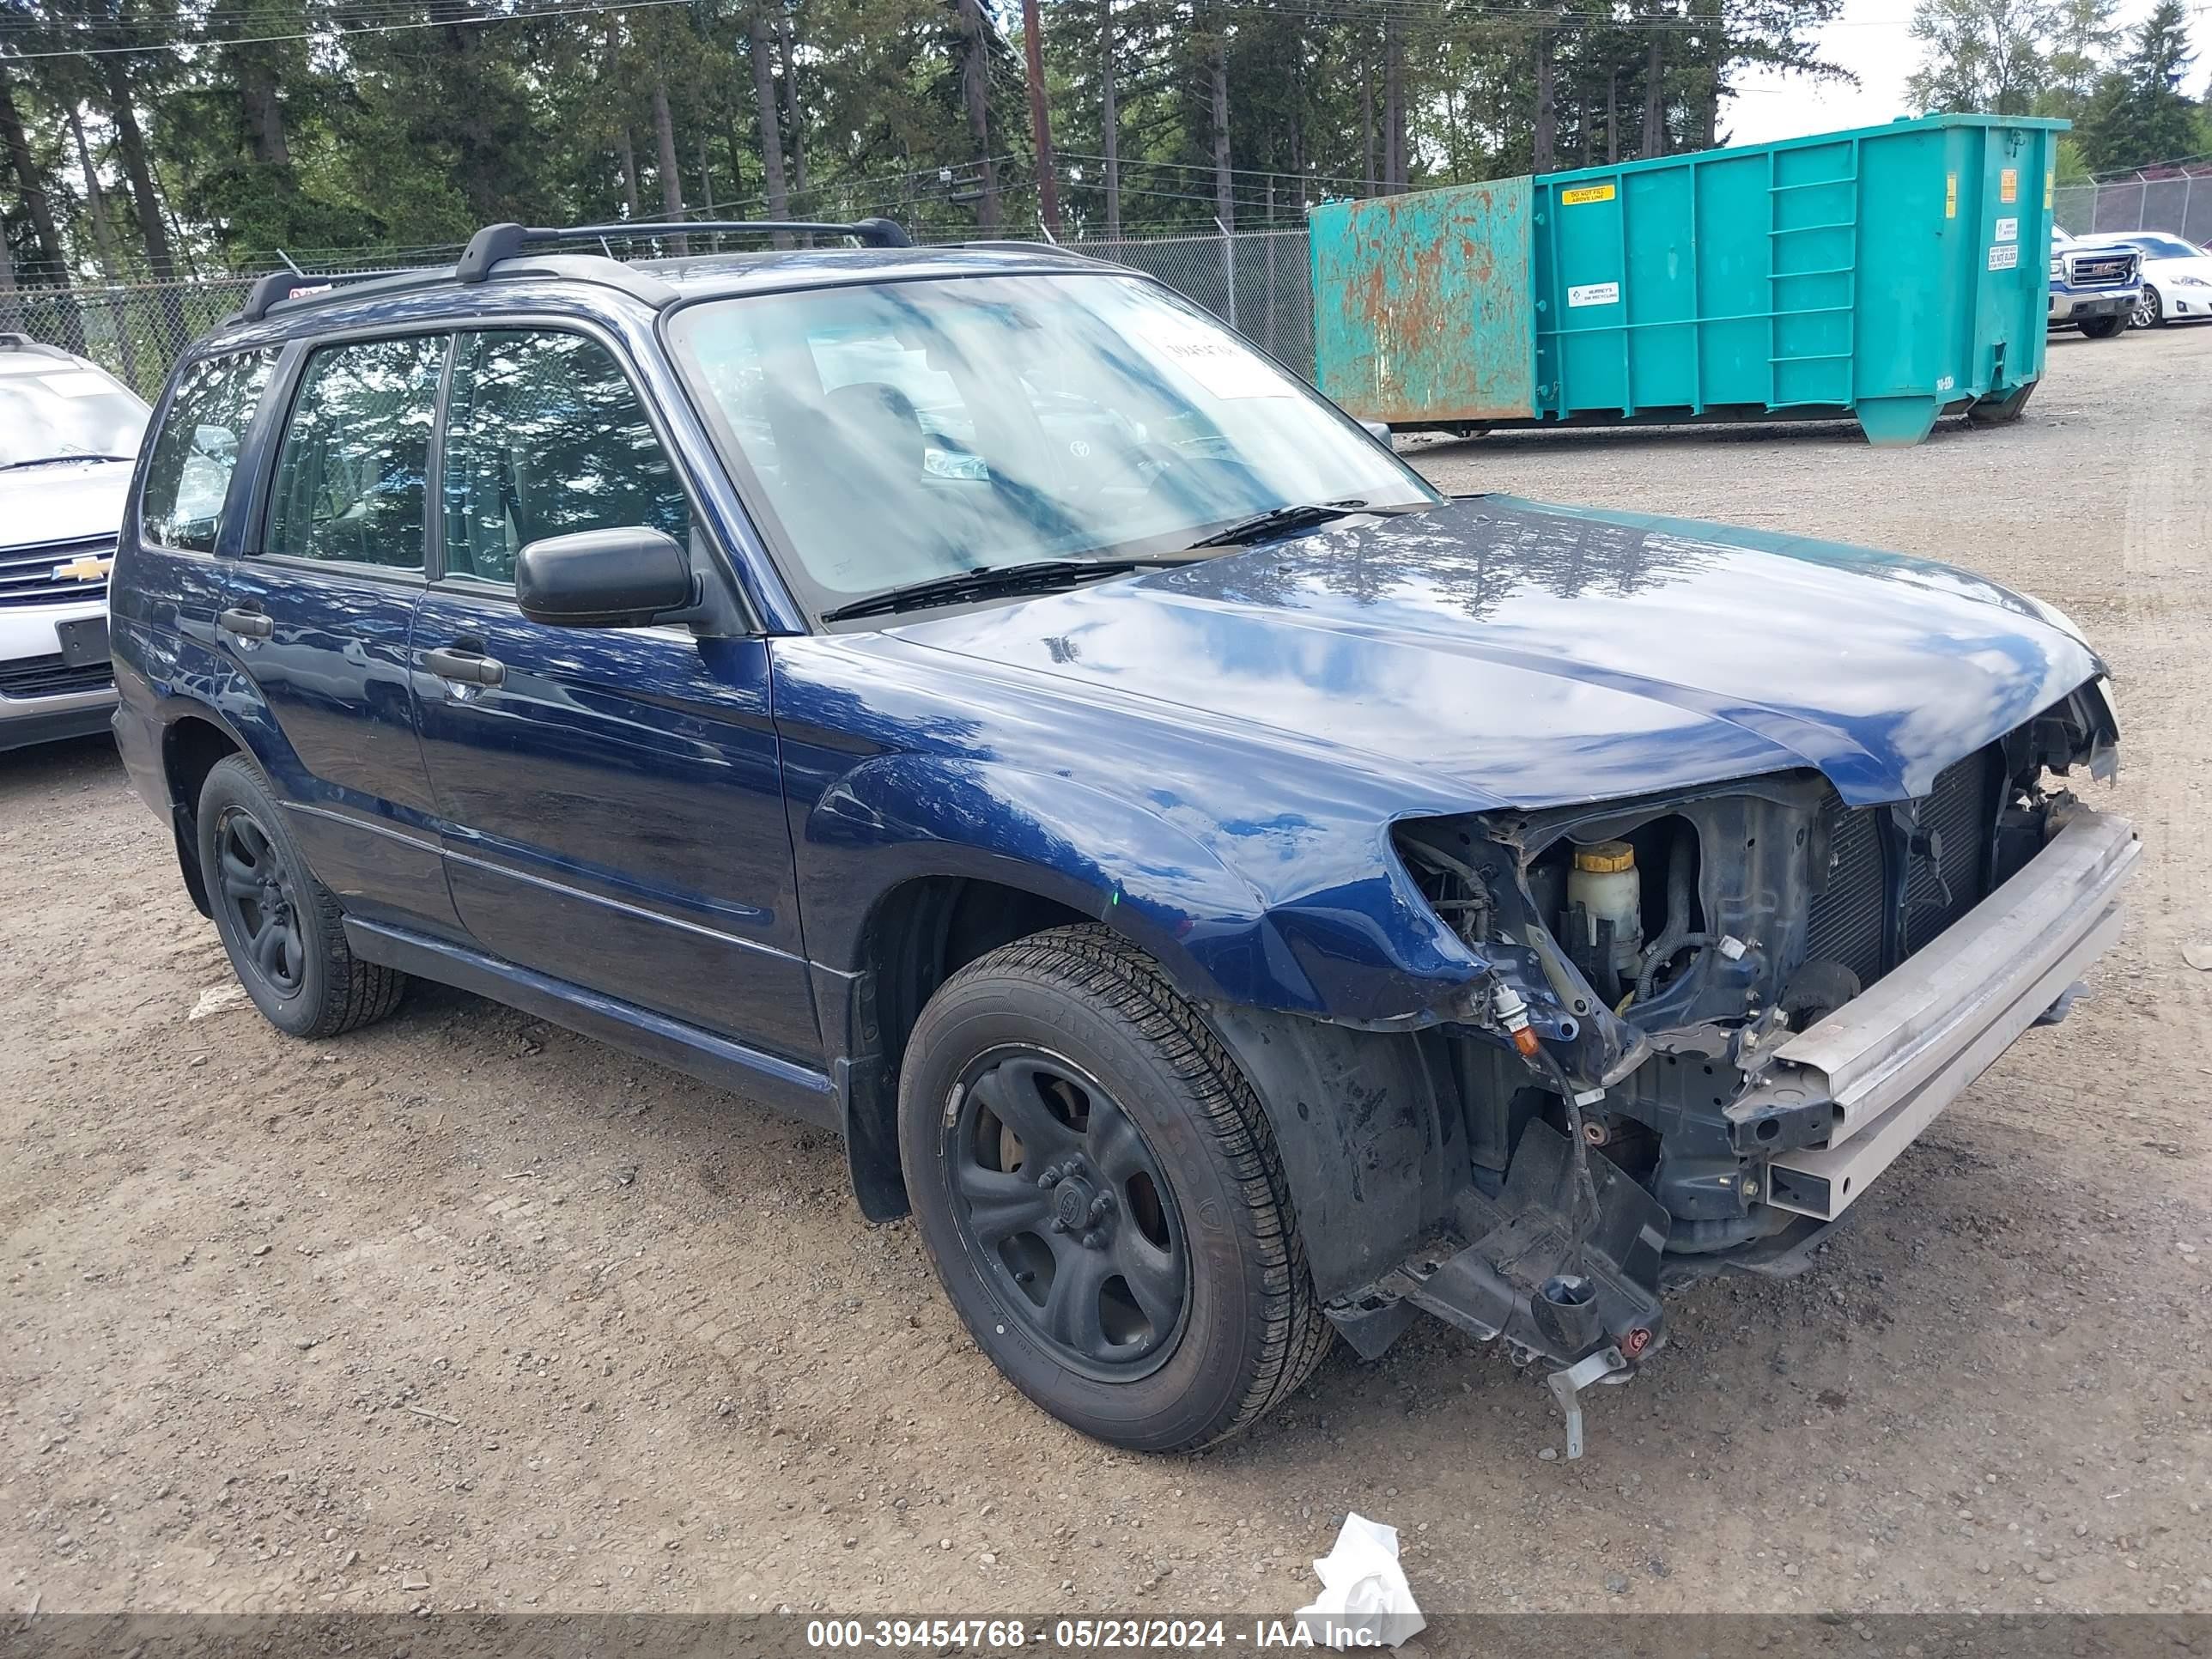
[(89, 568)]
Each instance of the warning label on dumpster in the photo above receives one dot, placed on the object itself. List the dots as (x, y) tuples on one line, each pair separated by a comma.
[(1582, 193), (1594, 293), (2008, 185), (2004, 256)]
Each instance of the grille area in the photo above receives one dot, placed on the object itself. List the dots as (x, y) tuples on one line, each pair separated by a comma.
[(50, 676), (2103, 270), (26, 575), (1846, 921)]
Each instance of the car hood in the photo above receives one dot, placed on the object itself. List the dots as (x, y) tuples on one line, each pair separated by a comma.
[(2156, 265), (62, 501), (1530, 655)]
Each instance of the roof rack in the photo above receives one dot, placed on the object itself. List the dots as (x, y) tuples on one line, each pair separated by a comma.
[(281, 285), (497, 242), (1019, 244)]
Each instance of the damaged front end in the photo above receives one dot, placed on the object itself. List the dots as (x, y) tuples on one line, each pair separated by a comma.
[(1691, 1005)]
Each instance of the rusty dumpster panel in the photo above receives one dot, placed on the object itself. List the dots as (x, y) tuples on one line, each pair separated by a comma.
[(1422, 305)]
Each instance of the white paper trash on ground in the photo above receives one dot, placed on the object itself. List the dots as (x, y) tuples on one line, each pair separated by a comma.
[(1364, 1600)]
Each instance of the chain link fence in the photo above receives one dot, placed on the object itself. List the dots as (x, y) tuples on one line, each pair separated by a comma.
[(2181, 205), (134, 332), (1256, 280)]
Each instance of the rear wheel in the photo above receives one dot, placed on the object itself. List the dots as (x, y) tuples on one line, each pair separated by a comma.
[(281, 928), (2102, 328), (2149, 312), (1102, 1197)]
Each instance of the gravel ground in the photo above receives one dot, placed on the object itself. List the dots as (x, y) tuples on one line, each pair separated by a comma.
[(464, 1312)]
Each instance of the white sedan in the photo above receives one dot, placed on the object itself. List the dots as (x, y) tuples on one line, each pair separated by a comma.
[(2177, 279)]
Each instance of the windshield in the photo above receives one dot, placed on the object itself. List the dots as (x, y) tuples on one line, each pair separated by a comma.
[(2166, 248), (52, 414), (908, 430)]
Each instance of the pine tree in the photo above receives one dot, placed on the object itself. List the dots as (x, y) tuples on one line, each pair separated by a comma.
[(2139, 113)]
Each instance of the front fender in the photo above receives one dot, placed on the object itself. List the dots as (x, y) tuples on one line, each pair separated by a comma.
[(896, 818), (1339, 933), (1365, 1142)]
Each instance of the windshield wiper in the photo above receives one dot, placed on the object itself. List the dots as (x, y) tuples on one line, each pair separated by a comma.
[(988, 582), (49, 460), (1282, 521)]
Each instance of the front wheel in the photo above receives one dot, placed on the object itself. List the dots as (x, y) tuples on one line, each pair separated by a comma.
[(2102, 328), (2149, 312), (1102, 1197)]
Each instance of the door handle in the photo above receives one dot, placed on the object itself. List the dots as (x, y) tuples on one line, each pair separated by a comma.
[(467, 667), (247, 622)]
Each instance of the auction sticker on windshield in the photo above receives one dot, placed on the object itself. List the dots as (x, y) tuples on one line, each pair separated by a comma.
[(1216, 362)]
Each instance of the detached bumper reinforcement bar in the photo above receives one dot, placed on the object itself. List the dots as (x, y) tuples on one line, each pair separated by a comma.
[(1891, 1060)]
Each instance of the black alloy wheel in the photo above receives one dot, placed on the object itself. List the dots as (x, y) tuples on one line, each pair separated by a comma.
[(282, 929), (1062, 1205), (252, 885), (1101, 1192)]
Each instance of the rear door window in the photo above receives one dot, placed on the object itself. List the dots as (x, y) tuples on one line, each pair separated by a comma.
[(351, 478), (188, 475), (544, 436)]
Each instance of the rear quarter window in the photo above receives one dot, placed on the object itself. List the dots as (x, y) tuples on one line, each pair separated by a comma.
[(195, 451)]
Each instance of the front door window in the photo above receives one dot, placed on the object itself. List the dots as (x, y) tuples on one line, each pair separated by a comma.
[(544, 437)]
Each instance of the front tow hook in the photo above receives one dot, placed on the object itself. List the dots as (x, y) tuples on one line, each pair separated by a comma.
[(1606, 1366)]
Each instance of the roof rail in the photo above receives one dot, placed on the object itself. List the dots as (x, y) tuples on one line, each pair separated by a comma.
[(1022, 244), (281, 285), (497, 242)]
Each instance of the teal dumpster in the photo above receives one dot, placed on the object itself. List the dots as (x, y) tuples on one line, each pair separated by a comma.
[(1891, 275)]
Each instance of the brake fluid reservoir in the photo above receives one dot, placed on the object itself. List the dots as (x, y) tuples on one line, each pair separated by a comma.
[(1605, 883)]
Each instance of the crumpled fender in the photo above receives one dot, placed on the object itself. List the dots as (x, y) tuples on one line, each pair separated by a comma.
[(1363, 948)]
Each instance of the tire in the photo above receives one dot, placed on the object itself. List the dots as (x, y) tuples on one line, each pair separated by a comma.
[(281, 927), (2149, 312), (1107, 1080), (2102, 328)]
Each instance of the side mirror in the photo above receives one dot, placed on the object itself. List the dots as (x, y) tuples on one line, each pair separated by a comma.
[(604, 579), (1380, 432)]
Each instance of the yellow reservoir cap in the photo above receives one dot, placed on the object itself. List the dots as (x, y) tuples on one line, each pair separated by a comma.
[(1604, 858)]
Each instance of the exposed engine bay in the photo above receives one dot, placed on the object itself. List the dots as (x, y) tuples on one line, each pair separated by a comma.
[(1621, 1069)]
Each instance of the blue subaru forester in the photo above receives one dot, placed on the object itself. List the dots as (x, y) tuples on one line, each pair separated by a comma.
[(1228, 892)]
